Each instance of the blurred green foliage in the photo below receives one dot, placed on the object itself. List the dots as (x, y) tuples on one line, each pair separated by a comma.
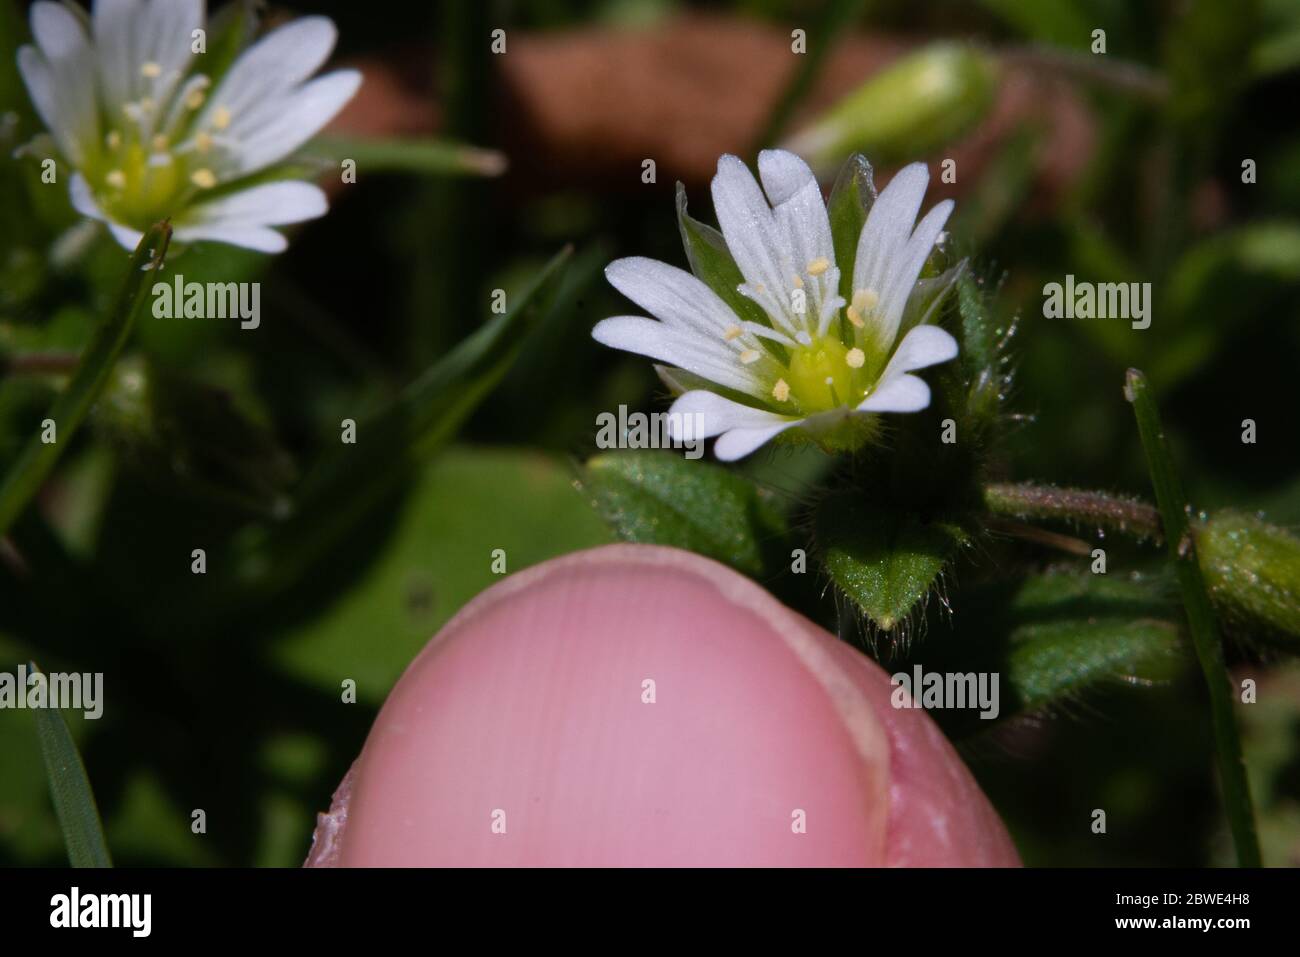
[(224, 693)]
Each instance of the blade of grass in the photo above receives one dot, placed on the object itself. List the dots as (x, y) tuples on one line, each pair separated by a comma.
[(1200, 619), (74, 801), (836, 17), (38, 458), (428, 156)]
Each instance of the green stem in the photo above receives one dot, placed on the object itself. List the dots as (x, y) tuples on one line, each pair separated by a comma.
[(38, 458), (1200, 619), (1115, 513), (836, 17)]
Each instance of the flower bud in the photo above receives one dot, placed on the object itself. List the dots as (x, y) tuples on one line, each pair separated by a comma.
[(1252, 570), (907, 109)]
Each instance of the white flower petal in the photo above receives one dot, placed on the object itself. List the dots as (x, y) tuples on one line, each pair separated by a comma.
[(273, 65), (39, 80), (69, 94), (167, 41), (742, 429), (738, 443), (126, 237), (720, 414), (270, 204), (906, 269), (801, 216), (888, 226), (899, 393), (250, 237), (754, 241), (649, 337), (670, 294), (117, 24), (272, 131), (57, 30), (83, 200), (922, 346)]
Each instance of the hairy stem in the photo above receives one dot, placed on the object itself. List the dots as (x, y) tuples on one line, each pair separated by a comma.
[(1117, 513)]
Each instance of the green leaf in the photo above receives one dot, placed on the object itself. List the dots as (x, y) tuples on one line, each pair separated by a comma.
[(663, 499), (712, 263), (884, 559), (430, 157), (851, 200), (438, 556), (70, 789), (1058, 635)]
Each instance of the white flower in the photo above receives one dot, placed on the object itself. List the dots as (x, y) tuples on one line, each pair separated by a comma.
[(151, 136), (819, 363)]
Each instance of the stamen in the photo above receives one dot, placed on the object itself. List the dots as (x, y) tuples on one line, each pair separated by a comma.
[(750, 356), (855, 358), (151, 70), (732, 332), (864, 300), (221, 118), (803, 338), (159, 143), (798, 281), (202, 142), (203, 178), (116, 179), (113, 140), (818, 266), (195, 99), (855, 317), (781, 391)]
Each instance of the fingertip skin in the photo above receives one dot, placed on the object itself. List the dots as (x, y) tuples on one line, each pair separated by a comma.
[(636, 705)]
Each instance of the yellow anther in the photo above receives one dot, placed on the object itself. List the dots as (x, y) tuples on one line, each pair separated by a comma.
[(798, 281), (203, 178), (194, 99), (202, 142), (150, 69), (116, 179), (855, 358), (749, 356), (731, 332), (220, 118), (113, 140), (855, 317), (864, 300), (818, 266), (781, 391), (159, 143)]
